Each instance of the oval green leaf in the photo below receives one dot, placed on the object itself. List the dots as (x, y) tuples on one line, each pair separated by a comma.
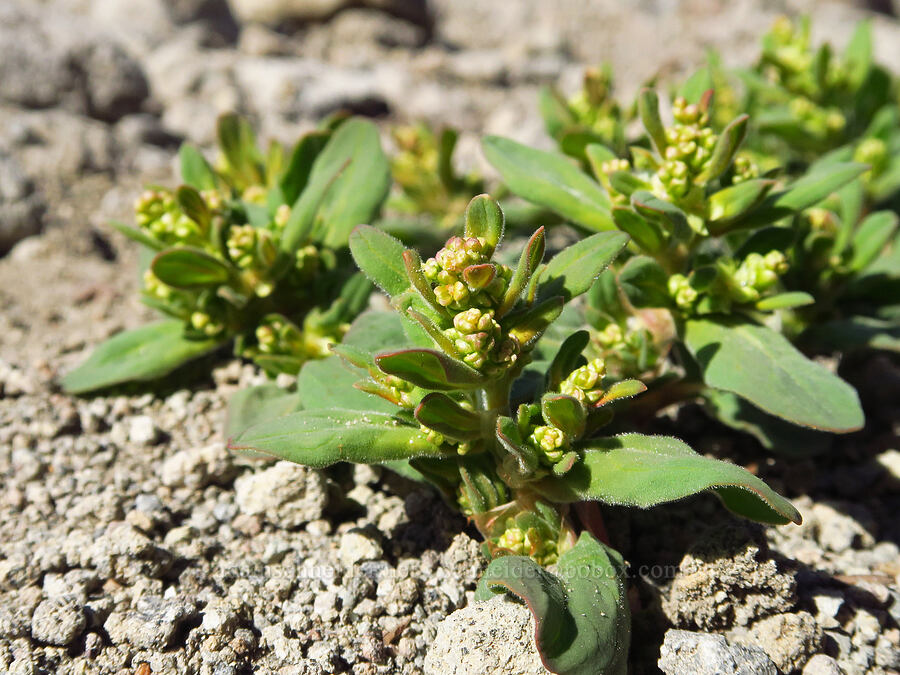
[(643, 471), (760, 365)]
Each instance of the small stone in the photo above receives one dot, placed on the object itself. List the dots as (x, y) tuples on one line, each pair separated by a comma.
[(495, 637), (151, 624), (142, 430), (356, 546), (199, 467), (287, 495), (325, 606), (887, 652), (788, 639), (706, 654), (58, 621), (820, 664)]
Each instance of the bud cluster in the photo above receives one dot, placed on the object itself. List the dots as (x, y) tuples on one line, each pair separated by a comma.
[(739, 283), (157, 212), (757, 274), (594, 107), (626, 350), (529, 542), (584, 383), (689, 145), (466, 283)]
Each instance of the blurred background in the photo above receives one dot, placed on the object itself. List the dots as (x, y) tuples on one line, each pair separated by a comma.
[(97, 95)]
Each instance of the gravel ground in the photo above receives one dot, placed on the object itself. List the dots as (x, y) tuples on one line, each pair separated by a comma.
[(131, 541)]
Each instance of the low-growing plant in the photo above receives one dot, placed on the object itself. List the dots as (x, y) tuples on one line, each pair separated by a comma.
[(704, 301), (428, 183), (252, 251), (473, 385)]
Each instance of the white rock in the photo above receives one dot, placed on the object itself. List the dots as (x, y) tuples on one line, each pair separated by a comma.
[(495, 637)]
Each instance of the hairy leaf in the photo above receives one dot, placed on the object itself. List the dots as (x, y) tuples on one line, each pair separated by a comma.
[(380, 257), (572, 271), (187, 267), (582, 618), (320, 438), (550, 180), (638, 470), (760, 365), (145, 353), (429, 369)]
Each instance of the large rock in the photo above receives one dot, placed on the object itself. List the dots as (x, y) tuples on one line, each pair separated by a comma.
[(705, 654), (727, 580), (495, 637)]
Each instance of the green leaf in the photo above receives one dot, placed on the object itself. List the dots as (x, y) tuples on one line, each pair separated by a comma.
[(255, 405), (296, 175), (440, 412), (597, 154), (139, 236), (195, 170), (193, 205), (773, 433), (643, 471), (871, 237), (528, 325), (572, 271), (374, 331), (348, 182), (816, 186), (429, 369), (484, 220), (582, 618), (554, 111), (567, 358), (320, 438), (565, 413), (531, 258), (648, 108), (660, 211), (760, 365), (858, 54), (785, 301), (645, 282), (380, 257), (726, 146), (187, 267), (238, 144), (145, 353), (697, 84), (736, 200), (644, 233), (856, 332), (550, 180), (328, 384)]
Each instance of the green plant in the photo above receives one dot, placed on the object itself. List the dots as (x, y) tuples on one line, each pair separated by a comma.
[(254, 251), (475, 384), (428, 183), (701, 303), (591, 115)]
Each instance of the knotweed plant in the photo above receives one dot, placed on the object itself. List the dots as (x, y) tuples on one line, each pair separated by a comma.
[(428, 185), (252, 251), (702, 303), (456, 387)]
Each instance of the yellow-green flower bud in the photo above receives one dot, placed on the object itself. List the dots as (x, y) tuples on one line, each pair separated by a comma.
[(550, 441), (513, 540), (584, 383), (681, 290)]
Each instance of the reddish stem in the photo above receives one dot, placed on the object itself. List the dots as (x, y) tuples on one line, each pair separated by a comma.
[(591, 518)]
